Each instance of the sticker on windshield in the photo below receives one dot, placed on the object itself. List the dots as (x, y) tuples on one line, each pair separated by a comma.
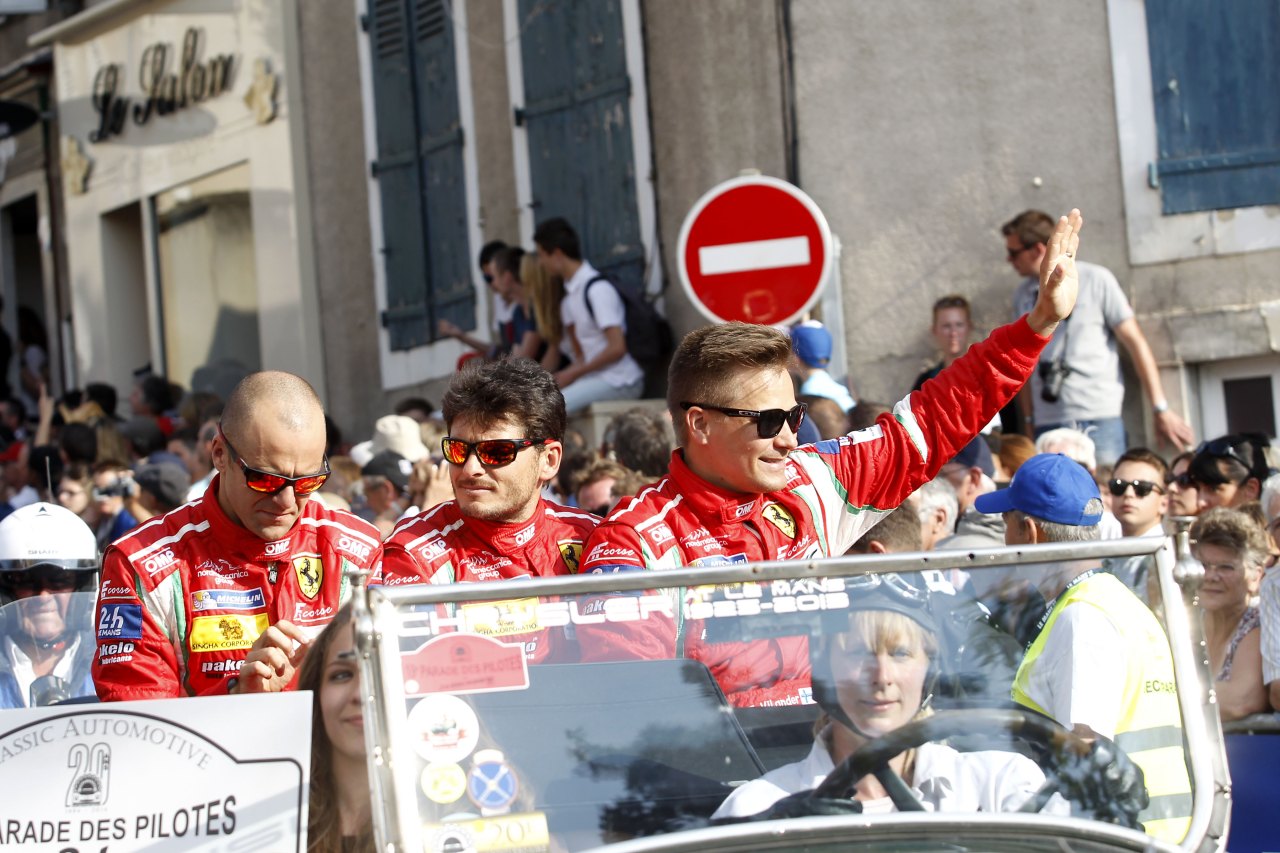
[(492, 784), (514, 833), (464, 663), (446, 729), (444, 783), (503, 618)]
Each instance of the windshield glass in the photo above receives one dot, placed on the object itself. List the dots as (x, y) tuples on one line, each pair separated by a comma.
[(564, 720), (47, 646)]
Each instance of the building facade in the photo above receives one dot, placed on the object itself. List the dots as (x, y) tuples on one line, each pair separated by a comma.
[(331, 237)]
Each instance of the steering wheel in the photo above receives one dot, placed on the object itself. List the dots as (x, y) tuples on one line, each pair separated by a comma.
[(1114, 795)]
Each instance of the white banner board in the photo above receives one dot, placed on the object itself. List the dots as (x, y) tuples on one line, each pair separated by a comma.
[(210, 774)]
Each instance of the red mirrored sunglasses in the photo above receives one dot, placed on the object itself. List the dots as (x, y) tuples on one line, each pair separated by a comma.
[(267, 483)]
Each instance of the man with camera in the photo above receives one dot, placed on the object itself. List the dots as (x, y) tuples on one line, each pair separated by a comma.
[(1078, 383)]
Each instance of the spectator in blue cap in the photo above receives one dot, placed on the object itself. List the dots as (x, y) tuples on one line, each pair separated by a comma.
[(811, 343), (1092, 667)]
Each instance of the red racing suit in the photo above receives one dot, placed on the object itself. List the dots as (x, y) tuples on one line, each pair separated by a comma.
[(184, 596), (836, 490), (444, 546)]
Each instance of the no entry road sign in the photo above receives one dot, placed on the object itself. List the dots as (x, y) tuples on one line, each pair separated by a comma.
[(755, 249)]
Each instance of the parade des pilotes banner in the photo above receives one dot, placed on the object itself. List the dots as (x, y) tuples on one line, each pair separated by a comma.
[(214, 774)]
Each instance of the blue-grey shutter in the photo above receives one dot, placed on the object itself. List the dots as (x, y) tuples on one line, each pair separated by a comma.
[(399, 174), (451, 291), (577, 110), (1215, 81)]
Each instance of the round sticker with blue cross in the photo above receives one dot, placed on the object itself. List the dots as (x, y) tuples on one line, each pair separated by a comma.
[(491, 784)]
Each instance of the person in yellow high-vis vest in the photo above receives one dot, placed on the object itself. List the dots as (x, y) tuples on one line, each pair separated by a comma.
[(1099, 662)]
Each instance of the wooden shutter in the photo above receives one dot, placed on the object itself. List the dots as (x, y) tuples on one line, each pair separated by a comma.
[(577, 102), (451, 291), (1215, 80)]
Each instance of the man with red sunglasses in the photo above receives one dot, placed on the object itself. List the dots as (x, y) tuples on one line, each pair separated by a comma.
[(506, 420), (739, 491), (225, 593)]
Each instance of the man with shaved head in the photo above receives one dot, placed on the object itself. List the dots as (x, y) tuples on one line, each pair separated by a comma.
[(224, 594)]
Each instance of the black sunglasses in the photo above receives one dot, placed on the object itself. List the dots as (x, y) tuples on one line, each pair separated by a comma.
[(1182, 481), (1227, 448), (494, 452), (1141, 488), (768, 422), (269, 483), (1013, 253)]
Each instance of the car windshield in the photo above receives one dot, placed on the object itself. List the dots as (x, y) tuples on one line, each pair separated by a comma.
[(703, 706)]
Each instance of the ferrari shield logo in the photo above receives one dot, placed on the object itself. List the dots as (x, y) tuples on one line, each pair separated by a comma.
[(572, 553), (310, 571), (781, 519)]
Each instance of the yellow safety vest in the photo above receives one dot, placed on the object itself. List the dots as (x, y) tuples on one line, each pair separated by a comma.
[(1150, 726)]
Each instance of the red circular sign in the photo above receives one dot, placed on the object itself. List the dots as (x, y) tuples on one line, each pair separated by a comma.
[(754, 249)]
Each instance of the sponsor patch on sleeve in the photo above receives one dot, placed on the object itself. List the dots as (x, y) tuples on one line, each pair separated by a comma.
[(225, 633), (228, 599), (120, 622)]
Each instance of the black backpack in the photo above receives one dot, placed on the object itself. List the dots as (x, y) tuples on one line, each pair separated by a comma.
[(650, 340)]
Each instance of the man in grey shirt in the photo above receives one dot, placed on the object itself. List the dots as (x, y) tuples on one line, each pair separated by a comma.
[(1078, 383)]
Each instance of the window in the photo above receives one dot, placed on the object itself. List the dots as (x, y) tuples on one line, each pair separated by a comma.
[(576, 77), (1157, 235), (1214, 83), (424, 251)]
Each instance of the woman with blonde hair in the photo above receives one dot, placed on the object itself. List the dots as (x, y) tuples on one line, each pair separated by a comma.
[(1232, 548), (340, 814), (870, 680), (544, 292)]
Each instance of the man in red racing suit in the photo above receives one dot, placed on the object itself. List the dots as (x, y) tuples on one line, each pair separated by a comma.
[(740, 491), (505, 420), (243, 573)]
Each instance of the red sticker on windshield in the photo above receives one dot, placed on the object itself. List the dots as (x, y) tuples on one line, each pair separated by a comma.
[(464, 663)]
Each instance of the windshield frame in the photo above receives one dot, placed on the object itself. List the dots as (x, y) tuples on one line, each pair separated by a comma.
[(1179, 574)]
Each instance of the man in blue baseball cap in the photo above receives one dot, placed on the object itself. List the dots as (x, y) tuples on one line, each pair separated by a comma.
[(812, 345), (1097, 650)]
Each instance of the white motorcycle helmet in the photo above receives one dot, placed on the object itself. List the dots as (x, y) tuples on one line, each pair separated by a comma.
[(48, 541)]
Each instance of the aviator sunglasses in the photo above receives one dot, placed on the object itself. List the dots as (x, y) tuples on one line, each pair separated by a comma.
[(267, 483), (768, 422), (493, 452), (1141, 488)]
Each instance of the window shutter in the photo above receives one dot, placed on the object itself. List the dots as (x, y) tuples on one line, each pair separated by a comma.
[(451, 288), (577, 109), (1215, 79), (399, 175)]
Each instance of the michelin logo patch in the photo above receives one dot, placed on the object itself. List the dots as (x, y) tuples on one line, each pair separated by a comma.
[(120, 622), (228, 599)]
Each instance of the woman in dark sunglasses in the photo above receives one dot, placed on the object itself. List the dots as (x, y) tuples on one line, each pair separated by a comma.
[(1183, 496)]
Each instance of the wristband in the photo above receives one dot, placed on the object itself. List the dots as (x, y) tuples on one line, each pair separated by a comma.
[(1161, 407)]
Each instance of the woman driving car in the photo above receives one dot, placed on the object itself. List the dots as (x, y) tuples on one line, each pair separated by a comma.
[(869, 680)]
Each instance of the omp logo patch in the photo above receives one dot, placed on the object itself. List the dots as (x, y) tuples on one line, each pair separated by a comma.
[(225, 633), (354, 547), (523, 536), (660, 534), (434, 548), (275, 549), (228, 599), (310, 571), (156, 562), (120, 622)]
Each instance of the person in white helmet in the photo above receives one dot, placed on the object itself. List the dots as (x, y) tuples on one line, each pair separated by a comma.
[(47, 554)]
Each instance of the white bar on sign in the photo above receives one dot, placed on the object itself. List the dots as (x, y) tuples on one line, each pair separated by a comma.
[(755, 255)]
